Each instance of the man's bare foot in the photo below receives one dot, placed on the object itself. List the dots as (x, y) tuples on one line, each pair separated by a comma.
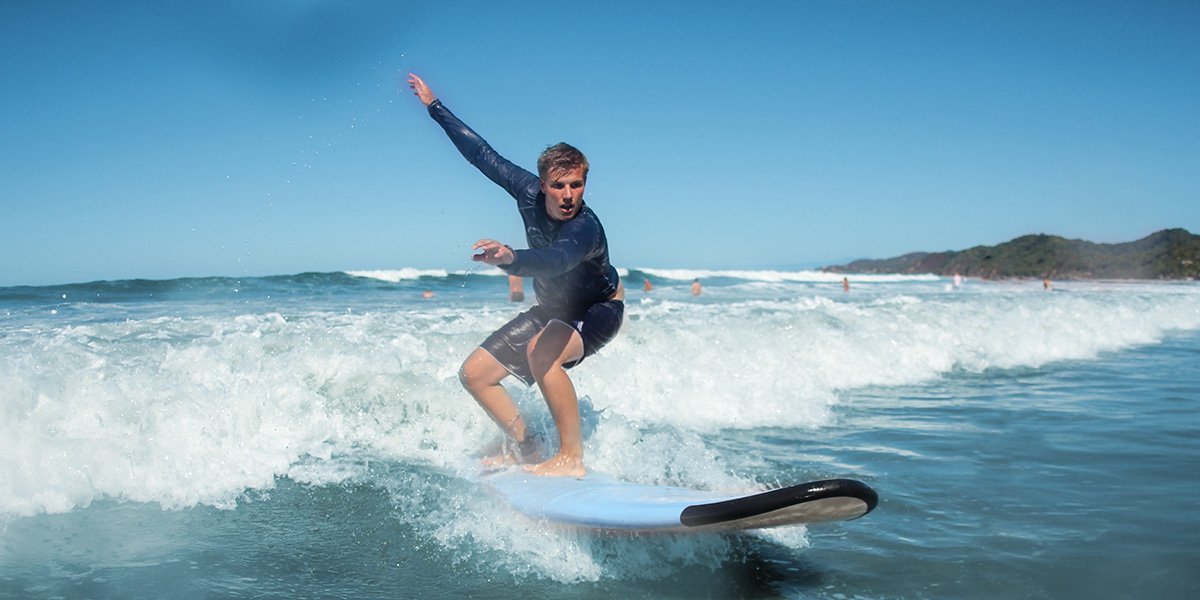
[(513, 453), (499, 461), (559, 465)]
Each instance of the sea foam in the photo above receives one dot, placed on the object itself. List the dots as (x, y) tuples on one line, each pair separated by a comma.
[(199, 410), (397, 275), (779, 276)]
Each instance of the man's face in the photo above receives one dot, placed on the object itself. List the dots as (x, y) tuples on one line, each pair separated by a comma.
[(564, 193)]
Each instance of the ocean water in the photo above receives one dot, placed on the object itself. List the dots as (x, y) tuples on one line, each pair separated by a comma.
[(306, 437)]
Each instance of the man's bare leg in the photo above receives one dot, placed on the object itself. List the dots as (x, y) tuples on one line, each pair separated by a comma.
[(481, 375), (559, 343)]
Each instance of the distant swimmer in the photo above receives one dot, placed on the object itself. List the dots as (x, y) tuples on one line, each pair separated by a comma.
[(845, 284), (516, 289), (958, 280), (580, 300), (646, 285), (1046, 285), (696, 287), (427, 294)]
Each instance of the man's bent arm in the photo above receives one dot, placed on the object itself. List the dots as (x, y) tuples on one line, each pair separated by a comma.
[(574, 245)]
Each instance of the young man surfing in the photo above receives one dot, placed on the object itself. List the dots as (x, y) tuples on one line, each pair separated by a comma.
[(580, 299)]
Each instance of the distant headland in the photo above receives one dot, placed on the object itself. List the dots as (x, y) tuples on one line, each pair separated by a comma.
[(1167, 254)]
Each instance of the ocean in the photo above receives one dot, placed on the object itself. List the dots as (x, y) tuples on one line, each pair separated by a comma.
[(306, 436)]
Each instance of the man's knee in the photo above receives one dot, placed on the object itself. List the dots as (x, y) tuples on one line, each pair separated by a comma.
[(473, 374), (466, 375), (480, 371)]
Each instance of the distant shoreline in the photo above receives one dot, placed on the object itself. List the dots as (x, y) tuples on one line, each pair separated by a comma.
[(1170, 254)]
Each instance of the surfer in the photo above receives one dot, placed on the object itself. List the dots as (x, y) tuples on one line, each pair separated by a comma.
[(580, 299)]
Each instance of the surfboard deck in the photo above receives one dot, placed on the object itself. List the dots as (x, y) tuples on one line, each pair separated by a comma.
[(599, 501)]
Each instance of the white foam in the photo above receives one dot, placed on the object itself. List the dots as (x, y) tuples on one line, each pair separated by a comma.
[(197, 410), (781, 276), (707, 366), (398, 275)]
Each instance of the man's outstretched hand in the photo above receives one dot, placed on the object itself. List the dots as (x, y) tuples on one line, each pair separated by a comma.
[(420, 90), (493, 253)]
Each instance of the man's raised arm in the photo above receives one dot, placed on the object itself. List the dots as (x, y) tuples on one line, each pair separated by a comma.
[(475, 149)]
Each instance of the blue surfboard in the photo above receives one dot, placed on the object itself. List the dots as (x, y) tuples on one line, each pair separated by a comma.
[(599, 501)]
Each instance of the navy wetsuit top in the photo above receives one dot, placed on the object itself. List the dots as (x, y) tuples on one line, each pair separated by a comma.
[(567, 259)]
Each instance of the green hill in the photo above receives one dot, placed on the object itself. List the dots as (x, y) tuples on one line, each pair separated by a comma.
[(1167, 254)]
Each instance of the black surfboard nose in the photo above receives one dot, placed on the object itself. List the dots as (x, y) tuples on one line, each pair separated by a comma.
[(825, 500)]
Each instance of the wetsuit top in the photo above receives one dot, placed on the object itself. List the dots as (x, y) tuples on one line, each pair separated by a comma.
[(567, 259)]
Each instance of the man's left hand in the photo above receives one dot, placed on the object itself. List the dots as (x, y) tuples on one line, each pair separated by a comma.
[(492, 253)]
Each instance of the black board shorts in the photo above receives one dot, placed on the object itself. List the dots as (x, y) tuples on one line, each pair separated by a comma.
[(509, 345)]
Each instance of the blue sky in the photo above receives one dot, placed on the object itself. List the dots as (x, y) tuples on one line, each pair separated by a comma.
[(170, 139)]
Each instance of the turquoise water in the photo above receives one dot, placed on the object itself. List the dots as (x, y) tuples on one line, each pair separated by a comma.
[(305, 436)]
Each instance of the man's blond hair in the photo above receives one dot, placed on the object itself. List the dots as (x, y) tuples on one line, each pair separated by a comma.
[(560, 158)]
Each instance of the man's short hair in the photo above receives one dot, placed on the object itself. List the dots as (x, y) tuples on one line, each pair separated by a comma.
[(559, 158)]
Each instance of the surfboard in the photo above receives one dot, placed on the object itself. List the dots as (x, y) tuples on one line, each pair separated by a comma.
[(603, 502)]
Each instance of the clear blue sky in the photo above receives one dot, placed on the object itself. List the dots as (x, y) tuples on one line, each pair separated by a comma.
[(169, 139)]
